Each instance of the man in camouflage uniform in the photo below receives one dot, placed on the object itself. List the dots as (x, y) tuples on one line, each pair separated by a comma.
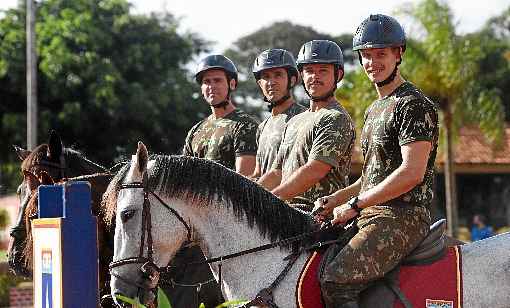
[(276, 74), (314, 158), (227, 136), (394, 192)]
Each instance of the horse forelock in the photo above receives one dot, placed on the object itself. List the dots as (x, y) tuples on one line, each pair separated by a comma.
[(203, 183), (109, 201)]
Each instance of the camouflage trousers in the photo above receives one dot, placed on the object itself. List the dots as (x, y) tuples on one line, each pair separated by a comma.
[(386, 235)]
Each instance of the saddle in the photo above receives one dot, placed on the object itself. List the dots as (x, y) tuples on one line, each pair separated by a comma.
[(384, 292)]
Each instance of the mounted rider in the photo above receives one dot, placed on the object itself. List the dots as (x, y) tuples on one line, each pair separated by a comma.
[(276, 74), (227, 136), (314, 157), (394, 193)]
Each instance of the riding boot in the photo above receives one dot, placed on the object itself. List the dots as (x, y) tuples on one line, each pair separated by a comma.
[(333, 297)]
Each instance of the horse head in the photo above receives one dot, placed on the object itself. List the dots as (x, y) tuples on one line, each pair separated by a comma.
[(45, 165), (137, 257)]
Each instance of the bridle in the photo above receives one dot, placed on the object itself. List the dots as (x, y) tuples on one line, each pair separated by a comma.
[(149, 268), (151, 271), (60, 166)]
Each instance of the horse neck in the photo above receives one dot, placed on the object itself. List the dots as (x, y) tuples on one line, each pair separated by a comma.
[(220, 233), (79, 165)]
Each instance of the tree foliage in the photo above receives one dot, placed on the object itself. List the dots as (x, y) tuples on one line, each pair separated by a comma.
[(106, 78), (446, 66), (495, 63)]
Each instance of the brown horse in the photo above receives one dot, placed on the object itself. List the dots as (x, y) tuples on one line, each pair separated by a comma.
[(49, 164)]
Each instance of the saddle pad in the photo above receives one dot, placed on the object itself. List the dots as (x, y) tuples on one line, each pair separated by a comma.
[(308, 290), (438, 285)]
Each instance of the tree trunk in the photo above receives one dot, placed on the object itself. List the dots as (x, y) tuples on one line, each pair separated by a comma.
[(449, 176)]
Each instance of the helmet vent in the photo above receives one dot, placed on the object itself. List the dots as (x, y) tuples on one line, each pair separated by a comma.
[(387, 26)]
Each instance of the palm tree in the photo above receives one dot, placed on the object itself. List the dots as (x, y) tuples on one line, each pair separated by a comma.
[(445, 66)]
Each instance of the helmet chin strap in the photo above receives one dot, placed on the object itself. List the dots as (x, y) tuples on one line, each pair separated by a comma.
[(222, 104), (320, 98), (271, 105), (325, 96), (390, 78)]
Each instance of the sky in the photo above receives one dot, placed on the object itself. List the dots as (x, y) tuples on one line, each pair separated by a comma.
[(224, 21)]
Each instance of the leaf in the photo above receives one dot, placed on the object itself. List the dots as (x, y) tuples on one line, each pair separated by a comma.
[(131, 301), (232, 303), (163, 301)]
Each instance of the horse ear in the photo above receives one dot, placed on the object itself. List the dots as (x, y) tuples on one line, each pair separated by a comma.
[(22, 153), (45, 178), (142, 157), (55, 147)]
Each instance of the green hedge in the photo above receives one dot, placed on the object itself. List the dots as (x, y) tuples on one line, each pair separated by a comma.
[(10, 177)]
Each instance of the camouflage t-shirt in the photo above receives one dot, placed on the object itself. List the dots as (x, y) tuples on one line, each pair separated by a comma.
[(325, 135), (222, 140), (403, 117), (269, 136)]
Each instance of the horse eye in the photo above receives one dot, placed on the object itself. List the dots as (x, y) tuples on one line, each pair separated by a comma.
[(126, 215)]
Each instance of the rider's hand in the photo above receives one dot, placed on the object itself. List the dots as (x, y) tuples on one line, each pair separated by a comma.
[(323, 207), (342, 214)]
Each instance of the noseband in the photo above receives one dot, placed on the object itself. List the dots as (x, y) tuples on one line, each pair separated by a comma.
[(149, 268)]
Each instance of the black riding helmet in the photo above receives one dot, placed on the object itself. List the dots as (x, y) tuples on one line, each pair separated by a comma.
[(321, 52), (276, 58), (216, 62), (379, 31)]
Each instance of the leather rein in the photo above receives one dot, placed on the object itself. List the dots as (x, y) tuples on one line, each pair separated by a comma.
[(152, 272)]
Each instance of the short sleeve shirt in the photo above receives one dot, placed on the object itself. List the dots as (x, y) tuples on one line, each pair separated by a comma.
[(325, 135), (403, 117), (269, 136), (222, 140)]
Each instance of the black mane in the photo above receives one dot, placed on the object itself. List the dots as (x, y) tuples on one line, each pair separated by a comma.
[(202, 181)]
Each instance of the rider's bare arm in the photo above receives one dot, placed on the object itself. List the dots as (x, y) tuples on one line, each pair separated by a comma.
[(256, 172), (245, 164), (410, 173), (339, 197), (271, 179), (302, 179)]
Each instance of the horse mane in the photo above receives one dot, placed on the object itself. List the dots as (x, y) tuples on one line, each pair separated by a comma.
[(74, 160), (204, 183)]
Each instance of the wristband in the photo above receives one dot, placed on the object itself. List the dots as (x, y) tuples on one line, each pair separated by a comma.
[(353, 204)]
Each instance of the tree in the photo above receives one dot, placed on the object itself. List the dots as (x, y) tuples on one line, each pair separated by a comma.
[(495, 63), (282, 34), (445, 66), (107, 78)]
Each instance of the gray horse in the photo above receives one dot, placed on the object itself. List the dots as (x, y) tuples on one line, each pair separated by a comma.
[(177, 199)]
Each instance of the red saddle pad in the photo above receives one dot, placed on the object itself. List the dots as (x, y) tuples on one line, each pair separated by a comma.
[(438, 285)]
